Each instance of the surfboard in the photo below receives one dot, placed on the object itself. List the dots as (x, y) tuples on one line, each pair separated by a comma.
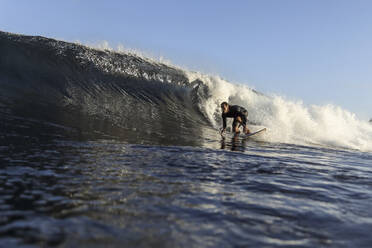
[(257, 132), (246, 135)]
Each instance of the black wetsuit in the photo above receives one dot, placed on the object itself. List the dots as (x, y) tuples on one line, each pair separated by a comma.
[(234, 112)]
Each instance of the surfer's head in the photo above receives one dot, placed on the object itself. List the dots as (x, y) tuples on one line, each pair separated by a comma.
[(224, 107)]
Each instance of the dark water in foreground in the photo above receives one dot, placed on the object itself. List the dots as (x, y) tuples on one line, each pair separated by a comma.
[(61, 189)]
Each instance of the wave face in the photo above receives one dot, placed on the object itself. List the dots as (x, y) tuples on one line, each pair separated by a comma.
[(140, 100), (96, 91)]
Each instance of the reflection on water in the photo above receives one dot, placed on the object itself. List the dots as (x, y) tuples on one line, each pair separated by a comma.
[(236, 143), (241, 143)]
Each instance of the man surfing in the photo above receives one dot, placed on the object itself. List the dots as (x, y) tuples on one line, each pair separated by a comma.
[(238, 113)]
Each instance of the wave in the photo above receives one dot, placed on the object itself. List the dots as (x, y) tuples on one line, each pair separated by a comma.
[(75, 85)]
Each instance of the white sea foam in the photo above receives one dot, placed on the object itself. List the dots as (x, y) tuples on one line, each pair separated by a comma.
[(289, 121)]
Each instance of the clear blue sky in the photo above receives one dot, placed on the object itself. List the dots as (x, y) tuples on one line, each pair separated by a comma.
[(318, 51)]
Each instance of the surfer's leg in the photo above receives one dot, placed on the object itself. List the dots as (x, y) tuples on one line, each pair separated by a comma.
[(246, 130), (235, 125), (244, 122)]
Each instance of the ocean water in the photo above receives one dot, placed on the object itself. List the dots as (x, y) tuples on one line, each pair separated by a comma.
[(100, 148)]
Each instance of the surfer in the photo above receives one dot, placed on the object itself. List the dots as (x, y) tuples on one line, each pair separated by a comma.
[(238, 113)]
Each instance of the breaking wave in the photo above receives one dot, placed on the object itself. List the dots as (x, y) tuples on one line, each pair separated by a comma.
[(100, 89)]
